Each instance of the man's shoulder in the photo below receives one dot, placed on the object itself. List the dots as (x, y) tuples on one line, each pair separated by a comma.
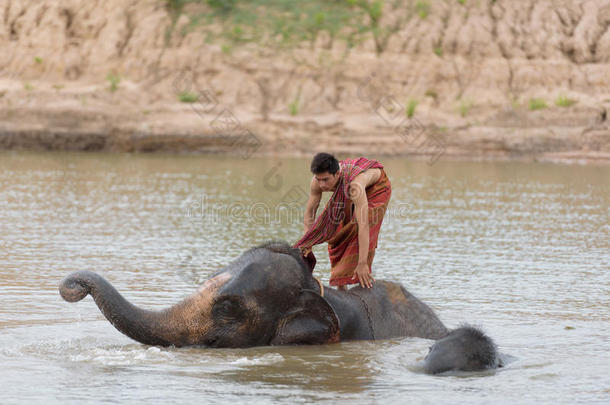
[(368, 176), (371, 171), (358, 160)]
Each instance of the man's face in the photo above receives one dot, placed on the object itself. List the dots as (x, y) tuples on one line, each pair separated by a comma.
[(327, 181)]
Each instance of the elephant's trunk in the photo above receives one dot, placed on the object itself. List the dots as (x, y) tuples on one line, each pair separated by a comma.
[(148, 327)]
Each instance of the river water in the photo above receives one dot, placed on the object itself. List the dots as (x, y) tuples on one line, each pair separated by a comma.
[(521, 249)]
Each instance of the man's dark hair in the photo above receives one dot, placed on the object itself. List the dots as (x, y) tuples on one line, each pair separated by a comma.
[(324, 162)]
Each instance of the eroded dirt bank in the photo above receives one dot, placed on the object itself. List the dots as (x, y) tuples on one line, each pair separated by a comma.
[(521, 79)]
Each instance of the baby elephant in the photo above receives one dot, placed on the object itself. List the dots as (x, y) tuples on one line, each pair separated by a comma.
[(465, 349)]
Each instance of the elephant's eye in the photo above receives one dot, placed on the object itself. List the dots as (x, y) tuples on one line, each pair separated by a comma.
[(229, 307)]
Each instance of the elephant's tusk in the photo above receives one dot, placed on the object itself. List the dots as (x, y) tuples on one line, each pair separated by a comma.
[(321, 286)]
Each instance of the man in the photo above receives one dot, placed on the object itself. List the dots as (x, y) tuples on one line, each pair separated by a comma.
[(351, 220)]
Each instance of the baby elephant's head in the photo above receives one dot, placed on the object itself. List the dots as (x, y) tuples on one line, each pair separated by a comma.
[(463, 349)]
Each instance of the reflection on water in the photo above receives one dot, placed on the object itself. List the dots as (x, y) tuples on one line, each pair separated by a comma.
[(521, 249)]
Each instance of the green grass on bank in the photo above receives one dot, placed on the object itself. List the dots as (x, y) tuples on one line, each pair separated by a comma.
[(423, 8), (411, 106), (188, 97), (464, 107), (537, 104), (286, 23), (113, 81), (564, 101)]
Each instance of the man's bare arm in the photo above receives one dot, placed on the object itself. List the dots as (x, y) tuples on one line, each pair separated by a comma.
[(315, 195), (361, 212)]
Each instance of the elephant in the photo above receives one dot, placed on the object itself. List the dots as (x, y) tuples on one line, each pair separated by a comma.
[(268, 296), (463, 349)]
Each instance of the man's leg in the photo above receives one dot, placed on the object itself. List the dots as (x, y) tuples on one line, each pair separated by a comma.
[(370, 262)]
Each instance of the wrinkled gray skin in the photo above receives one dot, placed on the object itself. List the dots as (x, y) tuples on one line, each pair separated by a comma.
[(464, 349), (267, 296)]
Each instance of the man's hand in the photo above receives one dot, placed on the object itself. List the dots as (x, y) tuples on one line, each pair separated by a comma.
[(364, 277)]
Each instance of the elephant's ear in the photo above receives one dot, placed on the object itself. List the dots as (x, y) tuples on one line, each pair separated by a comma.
[(312, 322)]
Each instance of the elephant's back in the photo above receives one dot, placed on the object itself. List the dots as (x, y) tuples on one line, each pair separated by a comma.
[(396, 312)]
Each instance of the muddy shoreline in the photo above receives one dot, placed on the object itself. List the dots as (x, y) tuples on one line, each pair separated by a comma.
[(179, 129)]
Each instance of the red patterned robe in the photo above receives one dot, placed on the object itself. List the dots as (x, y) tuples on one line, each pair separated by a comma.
[(337, 223)]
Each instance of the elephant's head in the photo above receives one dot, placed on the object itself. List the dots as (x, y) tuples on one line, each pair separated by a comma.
[(463, 349), (265, 296)]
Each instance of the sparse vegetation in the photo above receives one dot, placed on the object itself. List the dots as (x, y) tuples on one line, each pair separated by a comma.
[(237, 33), (294, 106), (464, 107), (222, 6), (226, 49), (286, 23), (438, 51), (411, 106), (175, 6), (38, 60), (564, 101), (462, 2), (114, 80), (537, 104), (28, 86), (422, 8), (431, 93), (188, 97)]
